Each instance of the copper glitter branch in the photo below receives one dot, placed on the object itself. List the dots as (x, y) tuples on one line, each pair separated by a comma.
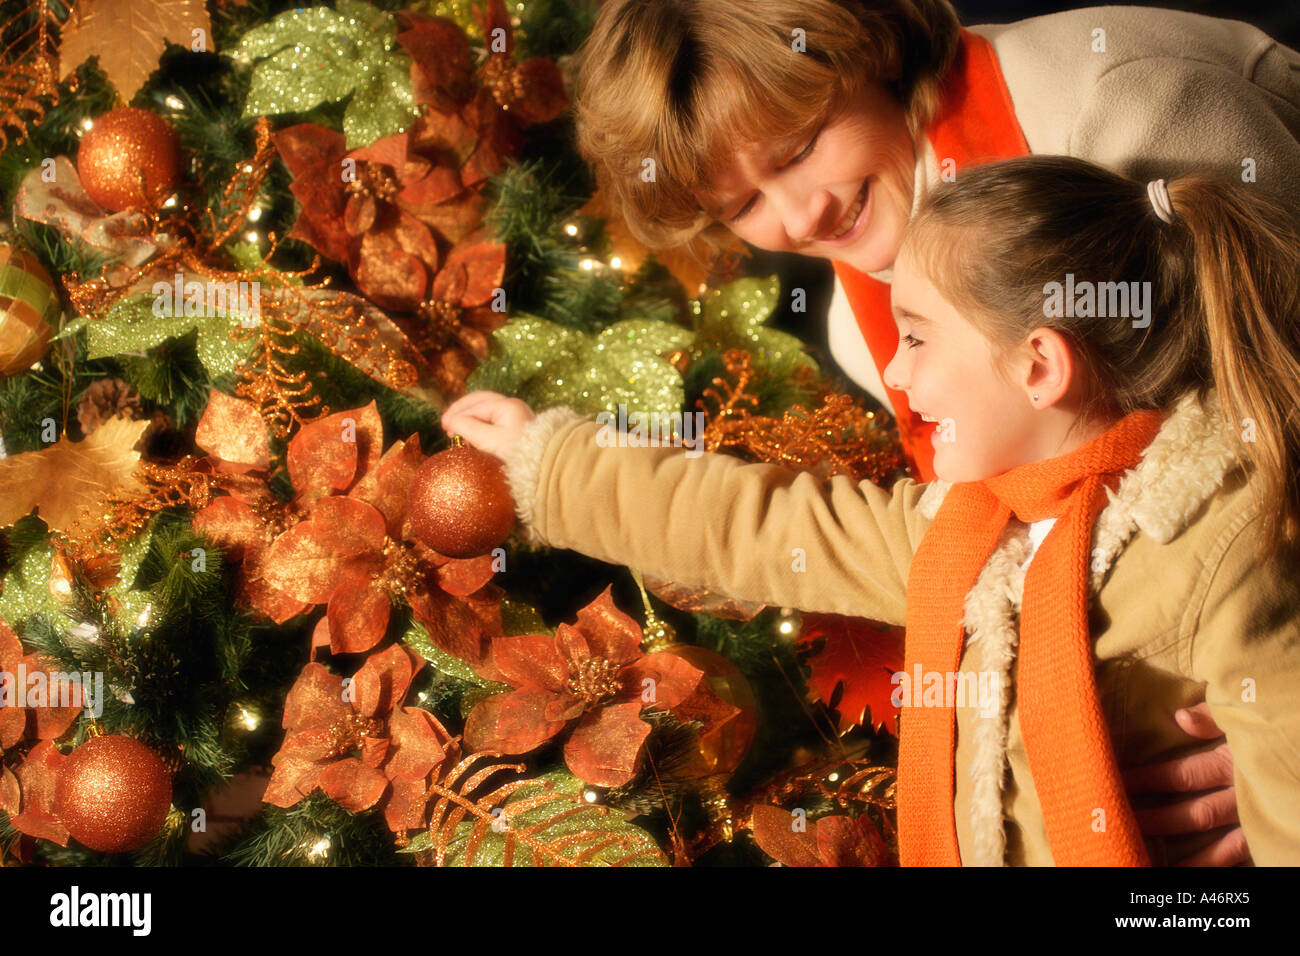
[(247, 182), (282, 397), (186, 484), (28, 73), (840, 437)]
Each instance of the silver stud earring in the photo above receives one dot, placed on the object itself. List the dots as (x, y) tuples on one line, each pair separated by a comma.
[(1035, 396)]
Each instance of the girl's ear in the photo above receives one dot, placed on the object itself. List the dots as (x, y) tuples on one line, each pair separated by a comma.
[(1049, 367)]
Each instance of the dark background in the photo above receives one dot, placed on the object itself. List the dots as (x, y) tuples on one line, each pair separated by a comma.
[(1281, 20)]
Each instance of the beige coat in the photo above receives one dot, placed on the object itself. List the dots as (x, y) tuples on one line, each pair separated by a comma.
[(1183, 611), (1171, 93)]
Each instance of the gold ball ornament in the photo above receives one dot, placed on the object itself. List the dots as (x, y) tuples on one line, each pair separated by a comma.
[(460, 503), (29, 309), (719, 754), (113, 794), (130, 158)]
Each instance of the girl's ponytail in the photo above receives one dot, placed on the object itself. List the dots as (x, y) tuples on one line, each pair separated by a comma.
[(1246, 260), (1223, 308)]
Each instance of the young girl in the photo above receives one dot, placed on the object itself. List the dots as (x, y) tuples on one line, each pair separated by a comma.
[(1113, 528)]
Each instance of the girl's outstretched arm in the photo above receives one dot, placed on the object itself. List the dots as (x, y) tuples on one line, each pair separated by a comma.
[(756, 532)]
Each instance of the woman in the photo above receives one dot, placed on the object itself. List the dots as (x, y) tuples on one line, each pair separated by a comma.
[(816, 127)]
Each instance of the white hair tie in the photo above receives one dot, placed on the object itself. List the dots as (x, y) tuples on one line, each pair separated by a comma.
[(1158, 193)]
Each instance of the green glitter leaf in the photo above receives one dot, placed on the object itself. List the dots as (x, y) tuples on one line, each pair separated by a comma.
[(623, 364), (131, 326), (314, 56), (734, 316)]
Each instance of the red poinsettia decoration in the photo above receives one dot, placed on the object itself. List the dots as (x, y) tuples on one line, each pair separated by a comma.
[(854, 668), (37, 719), (409, 226), (591, 675), (389, 210), (27, 791), (455, 321), (791, 840), (357, 743), (498, 99), (344, 541)]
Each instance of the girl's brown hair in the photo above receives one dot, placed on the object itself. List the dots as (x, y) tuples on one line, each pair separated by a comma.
[(683, 82), (1224, 306)]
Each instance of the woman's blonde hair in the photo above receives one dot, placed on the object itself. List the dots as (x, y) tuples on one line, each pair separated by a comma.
[(681, 83), (1224, 304)]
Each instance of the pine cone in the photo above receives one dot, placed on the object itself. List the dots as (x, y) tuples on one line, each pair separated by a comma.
[(105, 399)]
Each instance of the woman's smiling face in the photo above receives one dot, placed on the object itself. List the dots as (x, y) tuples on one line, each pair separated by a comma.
[(844, 193)]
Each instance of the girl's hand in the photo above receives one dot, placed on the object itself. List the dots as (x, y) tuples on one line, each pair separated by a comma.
[(1207, 808), (490, 422)]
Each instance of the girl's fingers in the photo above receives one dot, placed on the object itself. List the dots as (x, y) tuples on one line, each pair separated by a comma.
[(469, 402), (478, 433)]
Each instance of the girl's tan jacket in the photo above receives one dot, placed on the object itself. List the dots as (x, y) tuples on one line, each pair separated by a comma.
[(1182, 609)]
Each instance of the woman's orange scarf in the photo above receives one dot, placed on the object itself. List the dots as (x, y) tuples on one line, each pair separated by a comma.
[(1089, 821), (976, 123)]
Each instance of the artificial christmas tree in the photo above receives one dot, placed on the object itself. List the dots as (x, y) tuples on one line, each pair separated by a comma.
[(289, 242)]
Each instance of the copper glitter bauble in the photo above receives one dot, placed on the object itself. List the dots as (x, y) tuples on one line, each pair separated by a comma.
[(460, 503), (113, 794), (29, 309), (129, 158), (719, 754)]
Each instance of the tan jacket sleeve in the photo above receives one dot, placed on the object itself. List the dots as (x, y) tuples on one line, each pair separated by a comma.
[(756, 532), (1243, 633)]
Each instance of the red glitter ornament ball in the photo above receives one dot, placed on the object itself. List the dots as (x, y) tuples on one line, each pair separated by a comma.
[(130, 158), (460, 503), (113, 794)]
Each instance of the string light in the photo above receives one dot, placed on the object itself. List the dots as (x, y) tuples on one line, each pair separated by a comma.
[(174, 102), (571, 229), (248, 719), (588, 264), (616, 262)]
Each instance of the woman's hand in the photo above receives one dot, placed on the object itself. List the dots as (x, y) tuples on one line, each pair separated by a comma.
[(489, 421), (1209, 808)]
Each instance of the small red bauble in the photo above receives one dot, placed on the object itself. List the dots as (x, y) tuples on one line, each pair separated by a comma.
[(460, 503), (130, 158), (113, 794)]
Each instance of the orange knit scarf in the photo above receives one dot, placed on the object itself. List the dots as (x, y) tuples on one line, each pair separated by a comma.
[(1088, 818)]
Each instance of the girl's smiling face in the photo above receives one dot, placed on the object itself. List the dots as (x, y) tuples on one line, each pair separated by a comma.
[(985, 424), (845, 192)]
